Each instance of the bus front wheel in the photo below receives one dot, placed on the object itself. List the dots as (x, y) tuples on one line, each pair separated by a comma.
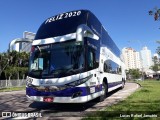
[(104, 92), (123, 83)]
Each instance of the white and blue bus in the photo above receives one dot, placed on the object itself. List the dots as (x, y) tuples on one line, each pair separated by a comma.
[(73, 60)]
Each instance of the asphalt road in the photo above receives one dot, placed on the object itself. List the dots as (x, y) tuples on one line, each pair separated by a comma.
[(16, 102)]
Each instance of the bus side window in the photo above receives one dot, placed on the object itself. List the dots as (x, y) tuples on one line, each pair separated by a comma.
[(92, 63), (106, 66), (112, 67), (120, 70), (90, 59)]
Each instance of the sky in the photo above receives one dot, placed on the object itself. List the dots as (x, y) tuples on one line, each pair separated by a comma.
[(126, 21)]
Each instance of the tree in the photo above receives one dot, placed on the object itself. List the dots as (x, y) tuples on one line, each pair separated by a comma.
[(134, 73), (156, 66), (158, 50), (4, 62), (10, 71), (14, 64), (156, 13), (23, 71)]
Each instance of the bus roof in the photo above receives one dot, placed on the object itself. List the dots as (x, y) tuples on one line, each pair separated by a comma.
[(62, 24)]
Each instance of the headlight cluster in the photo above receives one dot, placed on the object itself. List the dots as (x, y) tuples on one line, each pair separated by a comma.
[(29, 81), (80, 81)]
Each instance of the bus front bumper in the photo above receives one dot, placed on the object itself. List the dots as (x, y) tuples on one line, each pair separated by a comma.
[(51, 99)]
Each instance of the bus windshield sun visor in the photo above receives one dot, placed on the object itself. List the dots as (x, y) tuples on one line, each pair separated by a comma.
[(85, 31)]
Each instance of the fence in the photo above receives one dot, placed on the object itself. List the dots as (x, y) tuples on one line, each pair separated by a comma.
[(12, 83)]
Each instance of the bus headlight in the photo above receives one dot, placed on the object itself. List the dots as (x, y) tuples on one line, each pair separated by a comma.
[(80, 81), (29, 81)]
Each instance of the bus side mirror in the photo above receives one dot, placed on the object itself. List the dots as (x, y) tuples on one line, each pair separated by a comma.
[(84, 31)]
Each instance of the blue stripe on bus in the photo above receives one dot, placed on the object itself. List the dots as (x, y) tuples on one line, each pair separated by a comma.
[(110, 85), (63, 93), (67, 92)]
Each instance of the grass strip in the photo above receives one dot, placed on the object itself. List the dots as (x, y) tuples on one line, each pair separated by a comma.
[(143, 104)]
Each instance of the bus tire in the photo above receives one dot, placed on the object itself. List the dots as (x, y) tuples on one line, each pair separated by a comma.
[(104, 89), (123, 83)]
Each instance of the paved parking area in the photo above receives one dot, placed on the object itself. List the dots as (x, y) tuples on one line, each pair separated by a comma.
[(16, 101)]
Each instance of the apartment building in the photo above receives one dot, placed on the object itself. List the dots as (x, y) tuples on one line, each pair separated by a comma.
[(131, 58), (24, 46), (146, 58)]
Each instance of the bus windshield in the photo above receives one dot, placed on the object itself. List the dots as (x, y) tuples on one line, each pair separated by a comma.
[(56, 60)]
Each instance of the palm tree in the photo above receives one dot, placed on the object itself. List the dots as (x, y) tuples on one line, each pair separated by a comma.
[(14, 64), (4, 61)]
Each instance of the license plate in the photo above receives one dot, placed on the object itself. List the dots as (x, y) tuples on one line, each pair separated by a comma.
[(48, 99)]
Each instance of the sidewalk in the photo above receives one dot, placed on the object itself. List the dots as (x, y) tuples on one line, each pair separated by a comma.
[(13, 92)]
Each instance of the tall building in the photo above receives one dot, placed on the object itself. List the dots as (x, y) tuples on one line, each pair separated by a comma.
[(24, 46), (16, 47), (137, 60), (146, 58), (131, 58)]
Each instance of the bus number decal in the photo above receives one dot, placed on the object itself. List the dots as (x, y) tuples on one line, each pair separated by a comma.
[(63, 16), (66, 15), (70, 14), (74, 13), (78, 13)]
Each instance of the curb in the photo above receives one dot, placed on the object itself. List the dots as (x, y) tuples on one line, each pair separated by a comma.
[(134, 82)]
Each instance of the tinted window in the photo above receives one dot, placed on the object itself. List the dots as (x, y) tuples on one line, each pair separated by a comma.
[(112, 67), (92, 50), (109, 43), (57, 60), (94, 24), (91, 59)]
